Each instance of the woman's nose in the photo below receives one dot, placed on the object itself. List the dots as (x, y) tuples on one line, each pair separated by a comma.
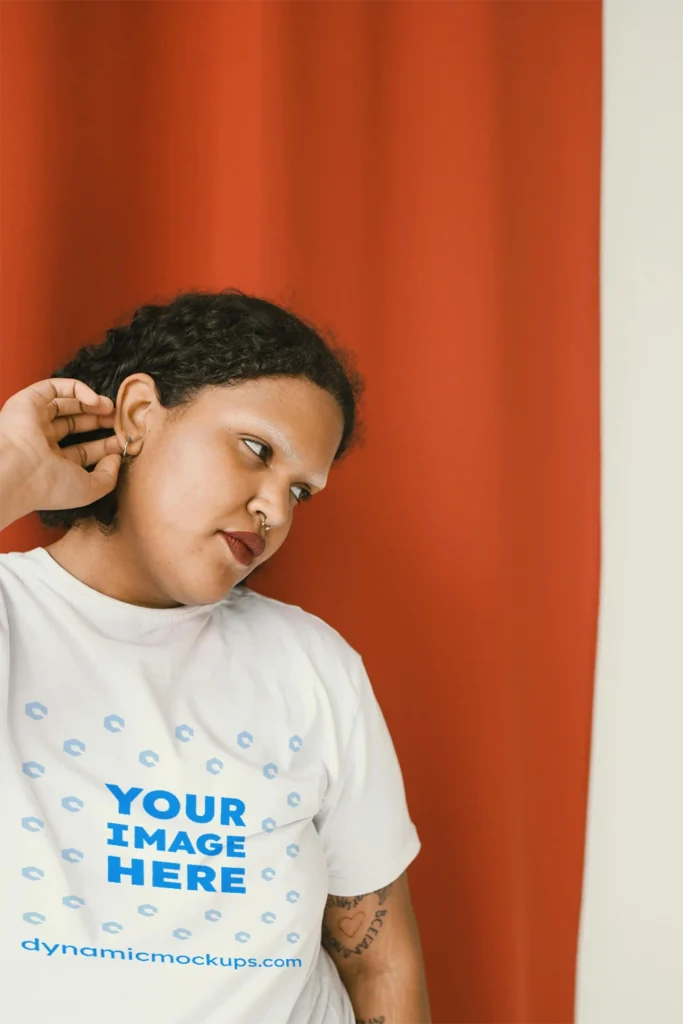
[(275, 509)]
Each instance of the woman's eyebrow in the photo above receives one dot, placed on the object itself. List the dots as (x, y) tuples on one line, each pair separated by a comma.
[(287, 449), (283, 443)]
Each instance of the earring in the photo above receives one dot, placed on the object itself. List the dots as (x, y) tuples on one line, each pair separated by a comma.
[(125, 447)]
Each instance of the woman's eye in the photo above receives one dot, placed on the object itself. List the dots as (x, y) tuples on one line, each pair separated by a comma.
[(305, 495), (264, 453), (259, 444)]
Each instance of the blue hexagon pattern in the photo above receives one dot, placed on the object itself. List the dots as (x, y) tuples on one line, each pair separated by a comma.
[(73, 902), (112, 927), (73, 747), (33, 873), (72, 803), (35, 710), (33, 918), (72, 855), (32, 824)]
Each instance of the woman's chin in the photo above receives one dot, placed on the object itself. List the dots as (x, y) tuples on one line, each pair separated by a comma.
[(210, 593), (202, 586)]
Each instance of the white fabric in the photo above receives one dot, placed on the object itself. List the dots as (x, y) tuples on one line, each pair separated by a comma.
[(630, 949), (252, 709)]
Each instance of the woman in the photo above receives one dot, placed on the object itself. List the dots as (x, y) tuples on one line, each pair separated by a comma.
[(203, 815)]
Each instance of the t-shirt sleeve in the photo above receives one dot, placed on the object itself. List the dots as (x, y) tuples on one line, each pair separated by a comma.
[(366, 829)]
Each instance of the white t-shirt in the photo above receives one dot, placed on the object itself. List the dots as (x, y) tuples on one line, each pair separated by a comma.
[(180, 789)]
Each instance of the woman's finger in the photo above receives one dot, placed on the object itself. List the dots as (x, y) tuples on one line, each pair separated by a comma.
[(72, 407), (79, 424), (103, 478), (66, 407), (92, 451), (69, 387)]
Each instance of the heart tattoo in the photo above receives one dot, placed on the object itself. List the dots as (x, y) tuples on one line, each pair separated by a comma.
[(350, 925)]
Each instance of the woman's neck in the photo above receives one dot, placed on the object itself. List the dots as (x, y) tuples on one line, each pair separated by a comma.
[(108, 564)]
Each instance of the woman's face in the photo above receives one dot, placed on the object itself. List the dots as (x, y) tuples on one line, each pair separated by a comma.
[(211, 467)]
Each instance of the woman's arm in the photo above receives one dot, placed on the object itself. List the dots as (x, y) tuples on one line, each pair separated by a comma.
[(375, 944)]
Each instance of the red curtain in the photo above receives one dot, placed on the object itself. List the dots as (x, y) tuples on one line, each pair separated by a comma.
[(421, 177)]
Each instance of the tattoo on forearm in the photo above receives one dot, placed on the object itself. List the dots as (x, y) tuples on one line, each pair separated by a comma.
[(371, 1020), (383, 893), (349, 902), (352, 925)]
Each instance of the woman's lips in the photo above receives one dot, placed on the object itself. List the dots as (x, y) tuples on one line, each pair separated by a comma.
[(245, 546)]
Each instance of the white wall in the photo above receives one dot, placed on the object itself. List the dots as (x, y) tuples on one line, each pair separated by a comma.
[(630, 965)]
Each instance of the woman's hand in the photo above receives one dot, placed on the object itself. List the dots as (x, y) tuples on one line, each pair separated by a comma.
[(35, 473)]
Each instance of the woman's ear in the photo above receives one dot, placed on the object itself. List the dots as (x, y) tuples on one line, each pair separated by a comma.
[(137, 406)]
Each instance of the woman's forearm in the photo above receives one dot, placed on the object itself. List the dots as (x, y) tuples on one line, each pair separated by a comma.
[(378, 954), (397, 996)]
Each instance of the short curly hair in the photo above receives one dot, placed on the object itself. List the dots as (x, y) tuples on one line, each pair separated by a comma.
[(204, 339)]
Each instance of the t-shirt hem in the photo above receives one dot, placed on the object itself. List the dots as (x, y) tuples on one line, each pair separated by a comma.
[(382, 875)]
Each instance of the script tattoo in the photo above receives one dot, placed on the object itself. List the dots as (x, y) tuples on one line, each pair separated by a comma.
[(383, 893), (365, 922), (349, 902)]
